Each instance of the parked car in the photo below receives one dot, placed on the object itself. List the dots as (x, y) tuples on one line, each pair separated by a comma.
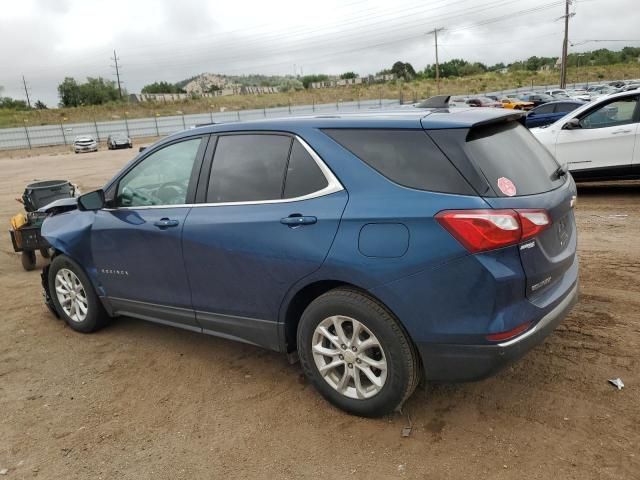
[(118, 140), (536, 98), (483, 102), (631, 86), (516, 104), (600, 140), (85, 143), (579, 94), (557, 93), (597, 91), (550, 112), (381, 248)]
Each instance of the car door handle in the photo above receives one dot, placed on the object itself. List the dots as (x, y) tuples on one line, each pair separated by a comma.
[(620, 131), (296, 219), (166, 223)]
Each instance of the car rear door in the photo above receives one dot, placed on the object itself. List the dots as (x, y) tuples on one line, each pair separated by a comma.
[(605, 143), (269, 213)]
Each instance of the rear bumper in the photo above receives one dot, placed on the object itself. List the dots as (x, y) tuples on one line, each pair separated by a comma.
[(455, 363)]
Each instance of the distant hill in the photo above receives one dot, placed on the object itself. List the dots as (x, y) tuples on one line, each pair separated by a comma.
[(206, 81)]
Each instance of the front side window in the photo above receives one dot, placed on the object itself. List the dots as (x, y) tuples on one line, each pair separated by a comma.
[(619, 112), (162, 178), (248, 167)]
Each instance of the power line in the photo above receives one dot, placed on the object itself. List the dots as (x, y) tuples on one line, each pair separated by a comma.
[(26, 91), (565, 44), (115, 59), (435, 35)]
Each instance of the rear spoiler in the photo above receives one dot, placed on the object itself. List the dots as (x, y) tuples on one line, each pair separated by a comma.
[(516, 115)]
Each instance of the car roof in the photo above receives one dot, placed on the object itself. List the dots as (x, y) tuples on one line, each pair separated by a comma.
[(568, 100), (436, 118)]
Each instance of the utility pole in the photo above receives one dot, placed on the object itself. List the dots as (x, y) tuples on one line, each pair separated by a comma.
[(565, 44), (115, 59), (435, 34), (26, 91)]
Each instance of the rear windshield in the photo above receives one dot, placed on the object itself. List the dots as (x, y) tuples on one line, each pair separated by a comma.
[(407, 157), (512, 160)]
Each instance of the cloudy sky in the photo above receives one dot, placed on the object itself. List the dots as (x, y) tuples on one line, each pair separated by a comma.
[(170, 40)]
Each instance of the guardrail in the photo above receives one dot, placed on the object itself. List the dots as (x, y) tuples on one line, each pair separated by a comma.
[(64, 133)]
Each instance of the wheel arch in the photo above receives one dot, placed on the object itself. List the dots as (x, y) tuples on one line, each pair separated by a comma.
[(307, 294)]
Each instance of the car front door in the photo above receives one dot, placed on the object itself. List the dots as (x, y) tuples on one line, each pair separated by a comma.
[(539, 116), (604, 144), (136, 242), (271, 211)]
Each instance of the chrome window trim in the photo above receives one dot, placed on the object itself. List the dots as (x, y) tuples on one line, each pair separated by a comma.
[(333, 186)]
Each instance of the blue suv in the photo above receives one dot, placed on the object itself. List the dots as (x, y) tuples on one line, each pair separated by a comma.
[(382, 248)]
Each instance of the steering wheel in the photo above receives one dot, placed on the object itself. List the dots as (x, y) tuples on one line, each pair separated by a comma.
[(129, 194), (171, 193)]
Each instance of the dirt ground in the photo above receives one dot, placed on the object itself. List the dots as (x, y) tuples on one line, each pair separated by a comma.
[(139, 400)]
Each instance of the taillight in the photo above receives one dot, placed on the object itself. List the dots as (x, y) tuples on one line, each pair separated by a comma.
[(482, 230), (533, 222)]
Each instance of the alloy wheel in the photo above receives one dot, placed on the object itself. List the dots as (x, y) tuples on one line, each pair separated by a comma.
[(349, 357), (71, 295)]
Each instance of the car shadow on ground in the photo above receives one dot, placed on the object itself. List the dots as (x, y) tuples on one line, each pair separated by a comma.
[(626, 189)]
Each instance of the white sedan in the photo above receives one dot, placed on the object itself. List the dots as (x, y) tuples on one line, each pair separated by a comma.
[(600, 140)]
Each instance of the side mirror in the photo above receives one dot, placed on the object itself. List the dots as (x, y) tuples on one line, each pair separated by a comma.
[(572, 124), (141, 149), (91, 201)]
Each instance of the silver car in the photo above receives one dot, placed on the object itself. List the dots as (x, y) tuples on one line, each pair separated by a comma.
[(85, 143)]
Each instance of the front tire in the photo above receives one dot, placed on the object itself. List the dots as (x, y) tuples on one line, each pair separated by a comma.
[(28, 259), (356, 354), (73, 296)]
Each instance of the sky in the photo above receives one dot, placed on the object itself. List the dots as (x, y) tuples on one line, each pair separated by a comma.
[(46, 40)]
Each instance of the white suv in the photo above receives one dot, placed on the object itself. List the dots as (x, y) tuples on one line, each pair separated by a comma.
[(600, 140)]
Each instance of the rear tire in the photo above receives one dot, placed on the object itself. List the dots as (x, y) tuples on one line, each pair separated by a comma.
[(45, 253), (28, 259), (73, 296), (369, 366)]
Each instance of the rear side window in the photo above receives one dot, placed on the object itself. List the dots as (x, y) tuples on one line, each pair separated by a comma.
[(248, 168), (303, 174), (566, 107), (509, 156), (407, 157), (548, 108)]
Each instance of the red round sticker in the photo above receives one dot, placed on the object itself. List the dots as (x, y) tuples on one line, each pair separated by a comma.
[(506, 186)]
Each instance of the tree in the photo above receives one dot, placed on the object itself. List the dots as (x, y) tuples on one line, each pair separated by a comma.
[(348, 75), (40, 105), (69, 92), (162, 87), (403, 70), (307, 80), (291, 84), (12, 104), (95, 91)]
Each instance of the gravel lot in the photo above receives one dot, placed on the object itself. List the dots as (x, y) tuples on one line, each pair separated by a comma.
[(139, 400)]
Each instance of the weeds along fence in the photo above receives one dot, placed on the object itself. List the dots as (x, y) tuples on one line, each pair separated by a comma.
[(65, 133)]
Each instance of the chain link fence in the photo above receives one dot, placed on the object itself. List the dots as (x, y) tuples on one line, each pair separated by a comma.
[(65, 133)]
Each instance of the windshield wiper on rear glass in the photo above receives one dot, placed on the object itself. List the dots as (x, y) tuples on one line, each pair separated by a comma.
[(561, 171)]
